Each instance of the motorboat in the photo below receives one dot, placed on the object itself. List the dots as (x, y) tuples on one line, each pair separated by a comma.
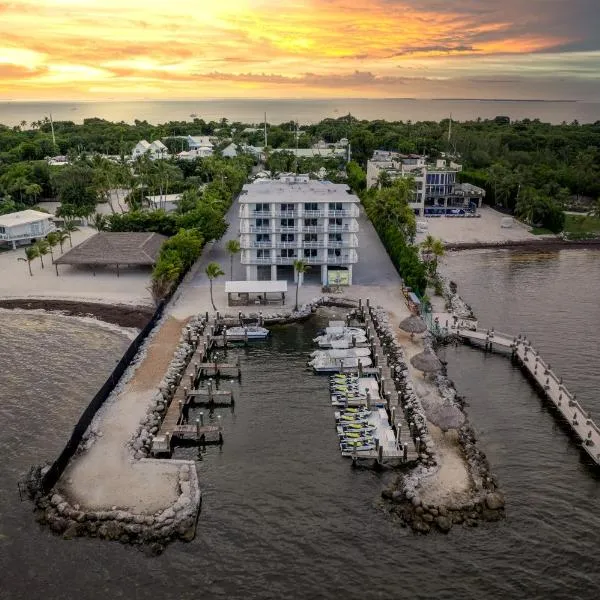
[(342, 352), (250, 332), (328, 365), (340, 340)]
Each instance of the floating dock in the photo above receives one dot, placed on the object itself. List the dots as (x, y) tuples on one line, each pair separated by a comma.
[(377, 392), (575, 416)]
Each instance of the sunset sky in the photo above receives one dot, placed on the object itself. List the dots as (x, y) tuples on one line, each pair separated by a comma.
[(143, 49)]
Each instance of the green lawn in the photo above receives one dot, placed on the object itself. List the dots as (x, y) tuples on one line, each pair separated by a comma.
[(582, 224)]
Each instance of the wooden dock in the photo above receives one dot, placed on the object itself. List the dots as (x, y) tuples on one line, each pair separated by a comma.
[(574, 415), (174, 426)]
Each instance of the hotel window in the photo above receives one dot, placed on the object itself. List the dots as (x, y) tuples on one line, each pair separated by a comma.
[(310, 253), (263, 208), (263, 254), (263, 237), (335, 237), (262, 222), (335, 222), (334, 252), (287, 222), (310, 237), (288, 253), (311, 222), (336, 206), (287, 208), (311, 206), (287, 237)]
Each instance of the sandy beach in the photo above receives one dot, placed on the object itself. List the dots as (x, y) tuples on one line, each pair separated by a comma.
[(73, 283)]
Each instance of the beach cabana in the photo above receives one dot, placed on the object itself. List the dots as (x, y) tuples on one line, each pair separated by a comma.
[(106, 248), (243, 293), (427, 362)]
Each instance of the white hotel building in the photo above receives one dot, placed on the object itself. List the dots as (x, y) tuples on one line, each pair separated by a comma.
[(296, 218)]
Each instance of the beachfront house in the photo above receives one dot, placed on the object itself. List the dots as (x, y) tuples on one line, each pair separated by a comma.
[(25, 227), (437, 191), (155, 150), (293, 218), (199, 141)]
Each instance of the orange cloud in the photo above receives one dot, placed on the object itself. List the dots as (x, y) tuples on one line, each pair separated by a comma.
[(94, 49)]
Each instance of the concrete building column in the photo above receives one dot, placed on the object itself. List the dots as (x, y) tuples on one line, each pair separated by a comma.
[(14, 245), (323, 274), (349, 274), (251, 273), (273, 272)]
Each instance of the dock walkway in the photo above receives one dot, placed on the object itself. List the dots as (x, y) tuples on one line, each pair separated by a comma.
[(575, 416)]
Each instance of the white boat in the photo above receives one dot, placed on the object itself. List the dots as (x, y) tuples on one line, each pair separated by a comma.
[(357, 331), (342, 352), (340, 340), (251, 332), (329, 365)]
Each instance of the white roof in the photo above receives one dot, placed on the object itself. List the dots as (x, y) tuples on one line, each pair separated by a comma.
[(255, 287), (158, 144), (298, 191), (164, 198), (23, 217), (201, 140), (143, 143)]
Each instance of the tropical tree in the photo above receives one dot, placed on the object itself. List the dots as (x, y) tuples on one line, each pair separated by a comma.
[(61, 238), (52, 239), (433, 248), (233, 247), (213, 270), (43, 248), (69, 227), (99, 222), (31, 253), (300, 267)]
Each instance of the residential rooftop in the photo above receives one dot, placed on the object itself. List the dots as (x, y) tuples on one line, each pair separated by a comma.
[(296, 191), (23, 217)]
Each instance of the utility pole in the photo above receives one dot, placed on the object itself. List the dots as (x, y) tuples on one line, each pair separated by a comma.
[(52, 129), (265, 130)]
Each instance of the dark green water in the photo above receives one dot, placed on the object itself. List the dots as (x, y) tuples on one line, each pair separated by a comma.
[(285, 517)]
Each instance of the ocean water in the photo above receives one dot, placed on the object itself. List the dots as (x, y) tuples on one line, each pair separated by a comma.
[(284, 516), (303, 111)]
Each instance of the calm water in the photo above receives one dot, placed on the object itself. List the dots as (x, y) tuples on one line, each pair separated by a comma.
[(303, 111), (285, 517)]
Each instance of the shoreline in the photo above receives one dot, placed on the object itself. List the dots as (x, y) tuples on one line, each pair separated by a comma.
[(123, 315), (538, 244)]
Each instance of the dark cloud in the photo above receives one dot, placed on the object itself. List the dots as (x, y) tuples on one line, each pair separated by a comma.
[(434, 48), (577, 21)]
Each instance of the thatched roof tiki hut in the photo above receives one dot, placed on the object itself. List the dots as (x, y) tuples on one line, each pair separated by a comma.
[(115, 248), (412, 325), (427, 362)]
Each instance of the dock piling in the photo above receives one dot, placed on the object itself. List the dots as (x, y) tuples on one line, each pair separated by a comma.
[(202, 419)]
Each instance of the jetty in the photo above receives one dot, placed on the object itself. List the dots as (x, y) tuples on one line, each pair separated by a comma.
[(576, 418)]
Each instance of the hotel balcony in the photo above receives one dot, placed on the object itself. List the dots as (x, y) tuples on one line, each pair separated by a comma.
[(346, 228), (313, 214), (249, 257), (345, 213), (247, 228)]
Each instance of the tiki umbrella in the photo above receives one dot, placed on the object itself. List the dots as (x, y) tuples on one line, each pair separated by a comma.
[(426, 361), (413, 324), (446, 416)]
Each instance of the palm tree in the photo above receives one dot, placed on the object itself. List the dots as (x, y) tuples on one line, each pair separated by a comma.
[(52, 239), (433, 248), (69, 227), (213, 270), (233, 247), (31, 253), (61, 238), (300, 267), (42, 248), (99, 222)]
